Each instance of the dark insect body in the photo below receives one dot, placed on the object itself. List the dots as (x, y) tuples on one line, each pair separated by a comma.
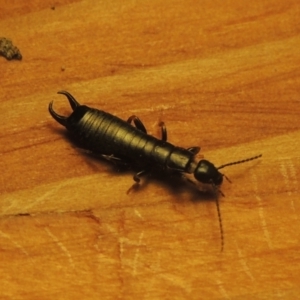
[(120, 142)]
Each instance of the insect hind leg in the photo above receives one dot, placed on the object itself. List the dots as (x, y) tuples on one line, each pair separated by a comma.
[(140, 126), (138, 123), (118, 161), (194, 150), (137, 176), (164, 135)]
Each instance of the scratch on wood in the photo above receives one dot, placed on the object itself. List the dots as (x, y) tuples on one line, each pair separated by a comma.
[(288, 172), (110, 229), (243, 262), (279, 294), (156, 274), (222, 289), (5, 235), (47, 194), (261, 212), (151, 109), (156, 265), (179, 281), (135, 260), (137, 254), (289, 175), (102, 257), (121, 250), (138, 214), (121, 268), (61, 246)]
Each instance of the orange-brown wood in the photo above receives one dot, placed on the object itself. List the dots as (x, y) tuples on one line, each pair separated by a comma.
[(223, 75)]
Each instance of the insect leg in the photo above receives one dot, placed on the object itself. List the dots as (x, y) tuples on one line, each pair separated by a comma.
[(137, 176), (116, 160), (194, 150), (137, 180), (138, 123), (217, 191), (164, 135)]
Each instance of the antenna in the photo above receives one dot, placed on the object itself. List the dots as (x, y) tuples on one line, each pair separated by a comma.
[(240, 161), (217, 191)]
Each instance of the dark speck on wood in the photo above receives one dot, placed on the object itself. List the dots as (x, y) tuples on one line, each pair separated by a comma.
[(8, 50)]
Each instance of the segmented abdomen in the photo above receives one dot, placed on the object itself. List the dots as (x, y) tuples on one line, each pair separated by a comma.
[(104, 133)]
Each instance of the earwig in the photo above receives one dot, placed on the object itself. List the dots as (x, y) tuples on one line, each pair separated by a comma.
[(119, 141)]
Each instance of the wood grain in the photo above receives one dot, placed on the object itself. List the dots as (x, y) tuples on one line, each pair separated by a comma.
[(223, 75)]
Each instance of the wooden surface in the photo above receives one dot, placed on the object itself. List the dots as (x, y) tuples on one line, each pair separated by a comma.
[(223, 75)]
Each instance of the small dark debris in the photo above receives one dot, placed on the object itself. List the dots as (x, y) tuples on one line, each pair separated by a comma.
[(8, 50), (53, 7)]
